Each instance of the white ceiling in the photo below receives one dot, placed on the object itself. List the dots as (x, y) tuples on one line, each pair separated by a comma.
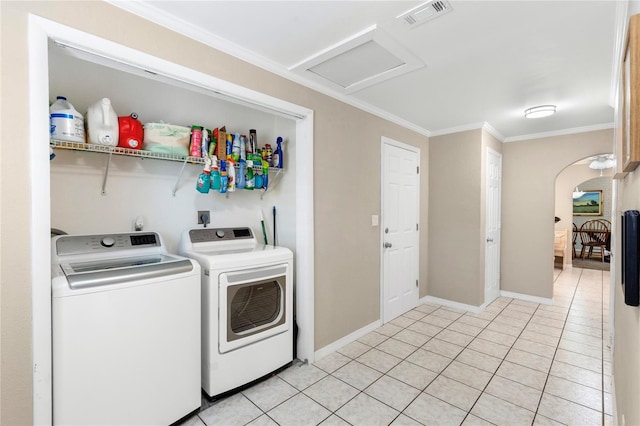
[(484, 62)]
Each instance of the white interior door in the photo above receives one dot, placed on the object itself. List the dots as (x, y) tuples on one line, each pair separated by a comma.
[(400, 214), (492, 236)]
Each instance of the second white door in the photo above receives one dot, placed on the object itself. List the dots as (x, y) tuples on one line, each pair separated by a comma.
[(400, 228)]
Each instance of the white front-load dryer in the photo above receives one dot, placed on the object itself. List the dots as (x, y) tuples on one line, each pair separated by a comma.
[(247, 306)]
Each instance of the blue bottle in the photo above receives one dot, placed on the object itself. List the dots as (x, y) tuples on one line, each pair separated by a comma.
[(204, 181), (224, 179), (277, 159), (241, 179), (215, 179)]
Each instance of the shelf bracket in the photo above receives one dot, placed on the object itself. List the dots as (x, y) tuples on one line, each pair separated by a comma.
[(184, 164), (273, 181), (106, 175)]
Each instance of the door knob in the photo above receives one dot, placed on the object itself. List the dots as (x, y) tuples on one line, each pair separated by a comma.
[(387, 245), (489, 240)]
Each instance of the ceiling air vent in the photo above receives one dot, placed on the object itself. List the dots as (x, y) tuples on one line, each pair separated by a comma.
[(425, 12)]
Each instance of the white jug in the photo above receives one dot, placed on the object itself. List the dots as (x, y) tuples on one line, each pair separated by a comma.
[(102, 123)]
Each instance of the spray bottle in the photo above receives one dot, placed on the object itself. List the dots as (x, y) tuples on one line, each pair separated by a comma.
[(224, 179), (278, 160), (231, 170), (215, 174), (204, 180)]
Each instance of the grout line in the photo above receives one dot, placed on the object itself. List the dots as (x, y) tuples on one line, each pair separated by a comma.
[(558, 345)]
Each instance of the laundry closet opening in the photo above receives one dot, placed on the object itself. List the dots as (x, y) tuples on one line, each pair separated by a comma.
[(90, 193)]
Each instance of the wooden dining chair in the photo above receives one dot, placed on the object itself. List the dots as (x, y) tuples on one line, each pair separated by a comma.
[(576, 231), (593, 234)]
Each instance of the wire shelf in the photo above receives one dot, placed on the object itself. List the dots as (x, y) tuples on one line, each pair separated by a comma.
[(90, 147)]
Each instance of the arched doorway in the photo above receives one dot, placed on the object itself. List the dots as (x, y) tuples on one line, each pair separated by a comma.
[(579, 180)]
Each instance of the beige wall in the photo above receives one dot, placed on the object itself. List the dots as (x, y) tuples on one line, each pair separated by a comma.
[(626, 318), (528, 185), (455, 227), (627, 321), (347, 181), (457, 170)]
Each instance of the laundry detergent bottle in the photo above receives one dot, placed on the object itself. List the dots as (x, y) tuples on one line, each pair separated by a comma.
[(102, 123), (65, 123)]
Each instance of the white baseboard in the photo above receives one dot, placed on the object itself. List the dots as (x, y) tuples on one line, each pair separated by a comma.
[(452, 304), (528, 298), (332, 347)]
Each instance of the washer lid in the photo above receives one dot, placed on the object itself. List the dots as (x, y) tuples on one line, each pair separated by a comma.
[(114, 271)]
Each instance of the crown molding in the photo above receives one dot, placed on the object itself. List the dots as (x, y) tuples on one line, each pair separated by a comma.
[(151, 13), (465, 128), (572, 131)]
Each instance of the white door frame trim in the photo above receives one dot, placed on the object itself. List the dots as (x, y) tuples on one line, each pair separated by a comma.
[(388, 141), (489, 151), (40, 30)]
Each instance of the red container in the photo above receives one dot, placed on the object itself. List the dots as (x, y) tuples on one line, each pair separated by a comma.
[(131, 132)]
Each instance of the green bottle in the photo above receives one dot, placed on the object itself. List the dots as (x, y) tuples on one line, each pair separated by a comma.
[(250, 181)]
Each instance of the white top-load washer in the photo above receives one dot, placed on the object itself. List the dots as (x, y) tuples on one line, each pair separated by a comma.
[(247, 306), (126, 331)]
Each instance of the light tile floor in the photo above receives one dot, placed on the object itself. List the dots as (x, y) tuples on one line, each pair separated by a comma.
[(516, 363)]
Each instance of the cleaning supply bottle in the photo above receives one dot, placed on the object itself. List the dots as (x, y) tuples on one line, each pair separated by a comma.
[(269, 153), (243, 147), (235, 148), (240, 182), (231, 170), (277, 154), (65, 122), (229, 146), (265, 174), (204, 180), (215, 174), (251, 183), (224, 179)]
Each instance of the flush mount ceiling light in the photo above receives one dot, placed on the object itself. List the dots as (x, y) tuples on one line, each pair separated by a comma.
[(363, 60), (540, 111)]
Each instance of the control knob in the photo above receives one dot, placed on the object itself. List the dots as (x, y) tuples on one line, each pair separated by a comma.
[(107, 242), (220, 233)]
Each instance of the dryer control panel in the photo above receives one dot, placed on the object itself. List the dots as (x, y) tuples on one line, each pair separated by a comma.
[(206, 235)]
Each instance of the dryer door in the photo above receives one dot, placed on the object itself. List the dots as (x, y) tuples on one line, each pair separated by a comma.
[(252, 306)]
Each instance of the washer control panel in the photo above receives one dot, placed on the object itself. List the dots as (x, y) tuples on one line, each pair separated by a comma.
[(206, 235), (79, 244)]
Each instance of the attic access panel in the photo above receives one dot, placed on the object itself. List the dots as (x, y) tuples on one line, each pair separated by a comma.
[(358, 62)]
